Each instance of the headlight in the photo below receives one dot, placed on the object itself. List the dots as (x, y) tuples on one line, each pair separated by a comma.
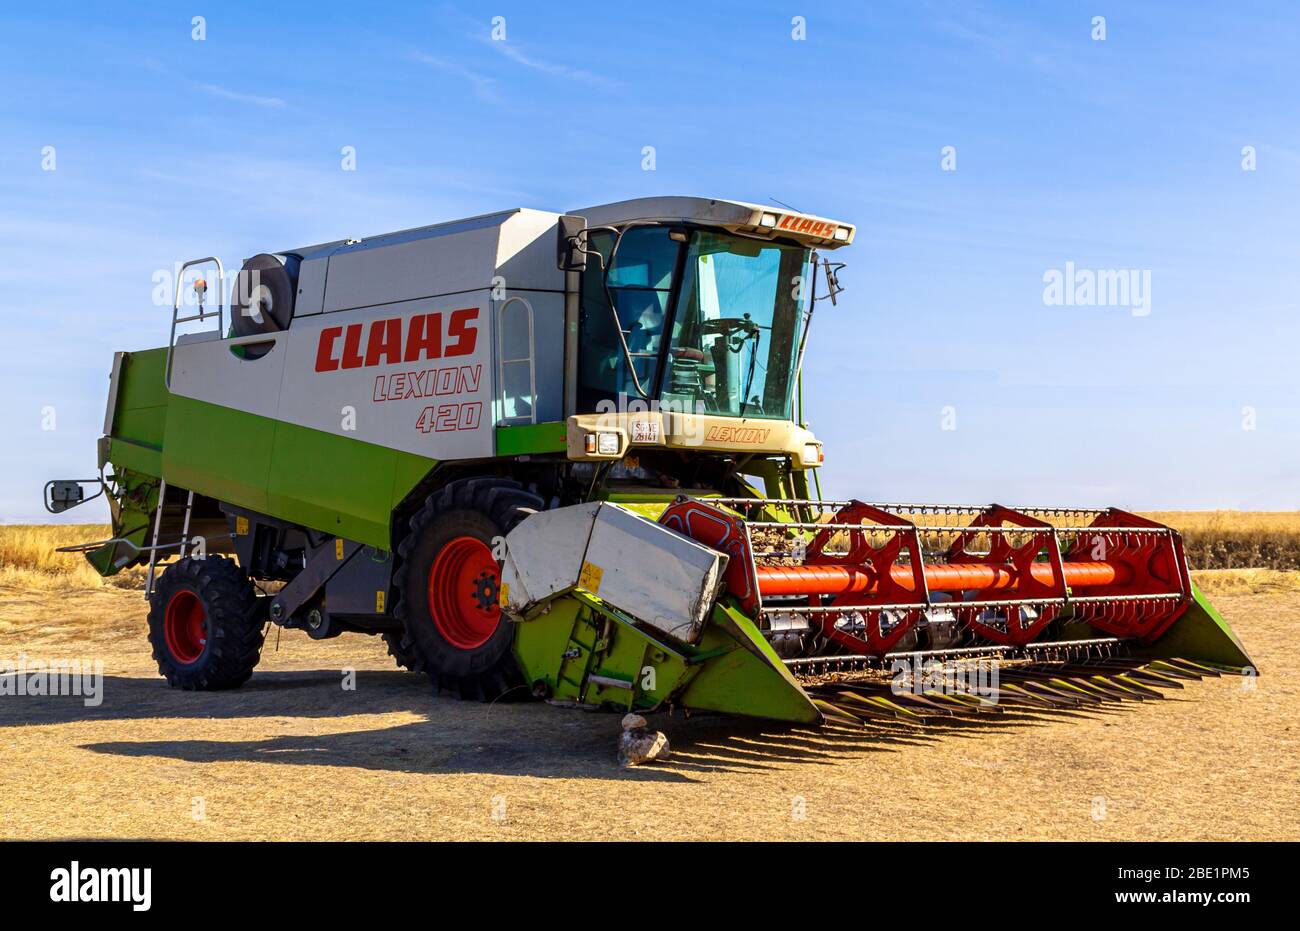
[(768, 220), (841, 234), (812, 454), (602, 444)]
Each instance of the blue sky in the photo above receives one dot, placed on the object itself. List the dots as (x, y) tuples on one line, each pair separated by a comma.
[(1117, 154)]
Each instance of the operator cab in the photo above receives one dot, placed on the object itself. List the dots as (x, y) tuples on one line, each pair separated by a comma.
[(709, 302)]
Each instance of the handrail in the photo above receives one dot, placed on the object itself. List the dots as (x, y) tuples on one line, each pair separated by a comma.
[(220, 313)]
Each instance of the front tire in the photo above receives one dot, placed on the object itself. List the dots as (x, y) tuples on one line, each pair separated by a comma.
[(448, 587), (204, 624)]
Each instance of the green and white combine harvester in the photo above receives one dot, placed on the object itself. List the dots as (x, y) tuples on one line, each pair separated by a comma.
[(565, 455)]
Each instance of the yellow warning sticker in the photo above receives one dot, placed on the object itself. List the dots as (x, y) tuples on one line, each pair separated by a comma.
[(504, 597), (590, 577), (241, 525), (379, 602), (338, 548)]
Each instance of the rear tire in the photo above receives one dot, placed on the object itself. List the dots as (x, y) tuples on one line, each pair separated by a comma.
[(204, 624), (448, 585)]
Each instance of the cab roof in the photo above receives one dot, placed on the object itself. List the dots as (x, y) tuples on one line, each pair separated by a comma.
[(735, 215)]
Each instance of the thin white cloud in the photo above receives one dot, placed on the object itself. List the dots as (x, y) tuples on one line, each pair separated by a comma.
[(475, 29), (549, 67), (216, 90), (484, 87)]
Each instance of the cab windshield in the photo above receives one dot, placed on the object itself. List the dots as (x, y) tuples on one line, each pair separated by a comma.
[(736, 328), (729, 307)]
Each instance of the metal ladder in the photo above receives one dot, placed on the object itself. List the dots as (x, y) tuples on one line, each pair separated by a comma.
[(529, 360), (157, 524), (203, 314)]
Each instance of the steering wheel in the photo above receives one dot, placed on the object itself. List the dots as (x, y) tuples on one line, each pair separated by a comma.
[(727, 326)]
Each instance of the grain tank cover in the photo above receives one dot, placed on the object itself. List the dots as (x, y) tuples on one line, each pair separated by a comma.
[(517, 246)]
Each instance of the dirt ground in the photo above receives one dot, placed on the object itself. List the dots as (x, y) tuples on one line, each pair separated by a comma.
[(293, 754)]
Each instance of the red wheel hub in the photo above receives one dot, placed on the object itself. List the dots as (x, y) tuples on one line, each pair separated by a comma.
[(185, 626), (464, 589)]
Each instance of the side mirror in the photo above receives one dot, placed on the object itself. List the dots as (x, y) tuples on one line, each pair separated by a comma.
[(830, 274), (571, 244), (62, 494)]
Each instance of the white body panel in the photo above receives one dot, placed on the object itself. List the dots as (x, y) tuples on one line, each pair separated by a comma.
[(362, 275), (206, 369), (438, 407)]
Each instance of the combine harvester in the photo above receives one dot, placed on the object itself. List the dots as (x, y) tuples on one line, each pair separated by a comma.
[(565, 455)]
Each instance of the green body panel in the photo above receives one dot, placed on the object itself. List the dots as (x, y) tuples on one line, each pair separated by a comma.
[(532, 439), (140, 415), (340, 485), (1202, 636), (649, 505), (578, 637), (780, 479), (731, 669), (129, 456), (292, 473), (750, 680), (218, 452)]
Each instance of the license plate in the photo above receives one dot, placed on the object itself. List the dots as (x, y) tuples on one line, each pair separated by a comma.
[(644, 431)]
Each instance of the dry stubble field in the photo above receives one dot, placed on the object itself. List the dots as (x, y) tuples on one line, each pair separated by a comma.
[(294, 755)]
